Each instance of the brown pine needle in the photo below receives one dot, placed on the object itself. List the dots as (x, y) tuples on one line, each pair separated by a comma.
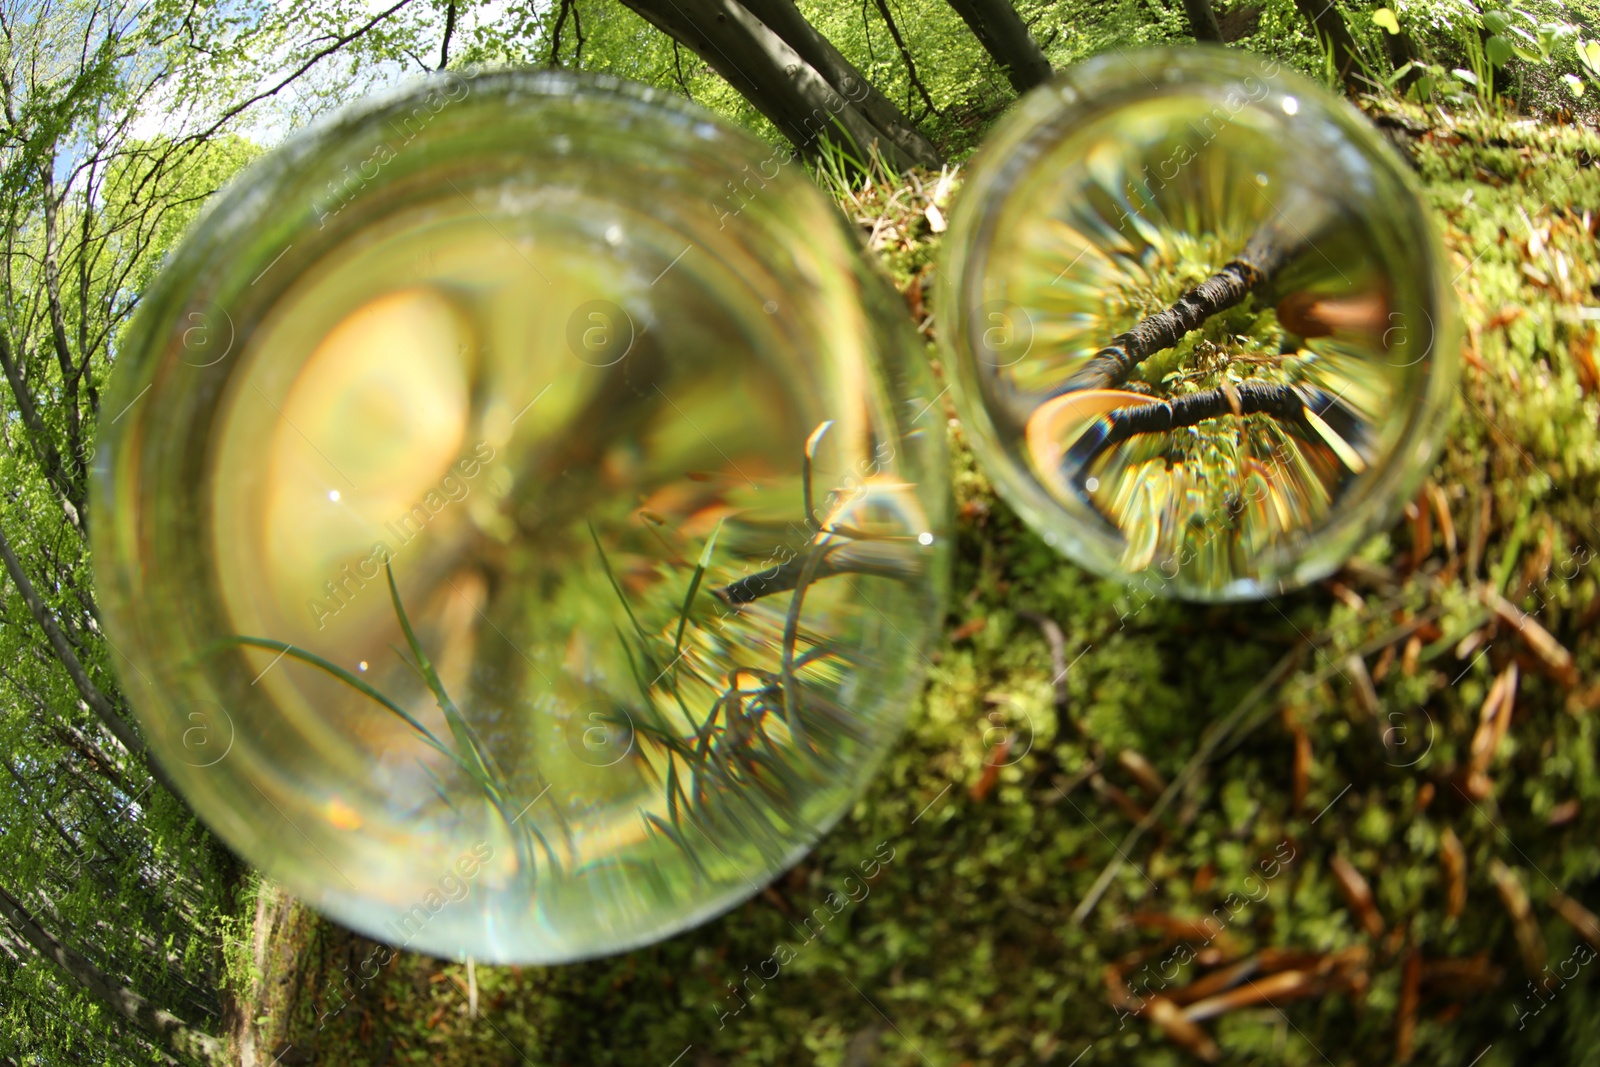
[(1410, 995), (1494, 719), (1216, 982), (1530, 941), (1285, 985), (1550, 653), (1453, 857), (1357, 893), (1180, 1030), (1142, 771), (1582, 919)]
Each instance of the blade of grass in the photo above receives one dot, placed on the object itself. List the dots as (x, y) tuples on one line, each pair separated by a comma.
[(605, 564), (465, 737), (438, 785), (806, 458), (694, 587), (656, 823), (791, 626), (353, 682)]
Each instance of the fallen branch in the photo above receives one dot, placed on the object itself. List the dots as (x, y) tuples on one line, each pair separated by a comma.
[(1316, 414), (1268, 249), (881, 559)]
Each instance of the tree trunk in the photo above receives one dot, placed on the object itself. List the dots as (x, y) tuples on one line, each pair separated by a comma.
[(1402, 51), (1005, 37), (166, 1029), (1203, 20), (1328, 24), (784, 19), (782, 84)]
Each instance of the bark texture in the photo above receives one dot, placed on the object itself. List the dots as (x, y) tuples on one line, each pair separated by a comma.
[(1005, 37), (784, 19), (1268, 250), (1327, 22), (785, 82), (1203, 20)]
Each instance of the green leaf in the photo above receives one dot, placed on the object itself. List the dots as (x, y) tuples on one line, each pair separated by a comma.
[(1574, 83), (1499, 50), (1589, 56), (1466, 76), (1496, 21), (1385, 18), (1554, 34), (1538, 53)]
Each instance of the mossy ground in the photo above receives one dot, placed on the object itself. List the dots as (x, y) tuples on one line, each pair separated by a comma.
[(1358, 751)]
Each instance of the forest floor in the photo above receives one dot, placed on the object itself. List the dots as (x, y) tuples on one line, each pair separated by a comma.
[(1386, 784)]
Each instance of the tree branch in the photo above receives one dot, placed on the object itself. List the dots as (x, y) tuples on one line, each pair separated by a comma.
[(74, 468), (787, 21), (555, 35), (39, 435), (880, 559), (98, 703), (905, 55), (677, 66), (1285, 403), (316, 57), (449, 28), (1269, 248), (769, 72)]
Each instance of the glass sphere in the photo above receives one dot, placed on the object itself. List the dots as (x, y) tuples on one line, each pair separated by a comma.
[(1200, 325), (523, 515)]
